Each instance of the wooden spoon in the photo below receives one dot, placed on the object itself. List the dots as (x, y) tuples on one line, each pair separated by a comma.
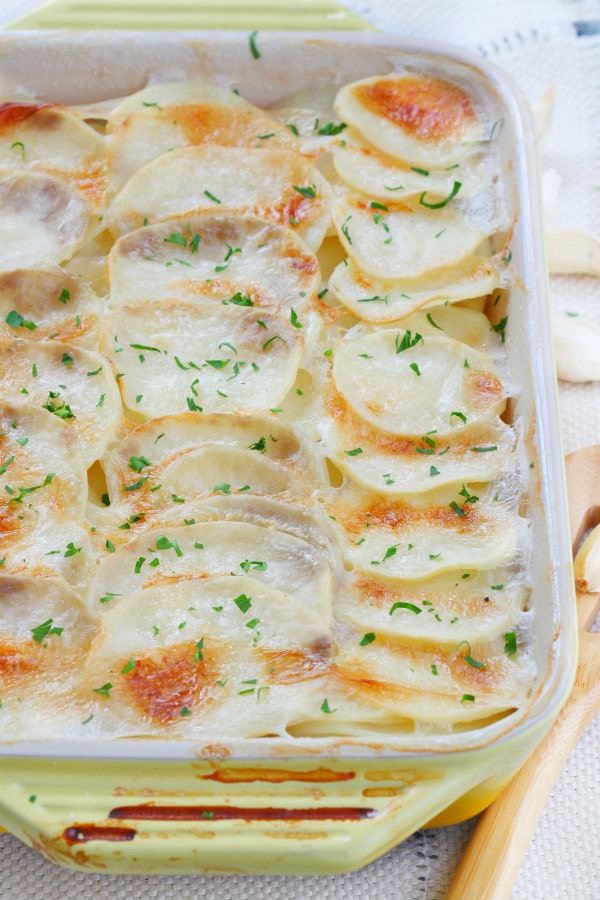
[(492, 860)]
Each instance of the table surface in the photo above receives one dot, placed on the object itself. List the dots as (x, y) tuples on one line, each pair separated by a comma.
[(542, 44)]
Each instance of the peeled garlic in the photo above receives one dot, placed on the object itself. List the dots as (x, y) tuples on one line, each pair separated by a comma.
[(572, 253), (542, 113), (587, 563), (576, 349)]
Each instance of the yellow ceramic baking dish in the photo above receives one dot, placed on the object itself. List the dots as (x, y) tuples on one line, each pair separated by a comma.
[(310, 805)]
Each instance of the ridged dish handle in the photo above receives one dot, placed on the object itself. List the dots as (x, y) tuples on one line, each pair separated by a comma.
[(293, 816)]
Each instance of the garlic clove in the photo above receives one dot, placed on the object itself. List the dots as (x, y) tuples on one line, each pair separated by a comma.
[(576, 349)]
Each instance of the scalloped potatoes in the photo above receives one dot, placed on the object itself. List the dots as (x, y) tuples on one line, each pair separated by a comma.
[(262, 479)]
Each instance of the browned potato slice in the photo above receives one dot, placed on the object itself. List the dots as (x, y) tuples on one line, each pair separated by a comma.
[(54, 139), (206, 658), (423, 120), (222, 256), (185, 114), (278, 185), (46, 632), (49, 304)]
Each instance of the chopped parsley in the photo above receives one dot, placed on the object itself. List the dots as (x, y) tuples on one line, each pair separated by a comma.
[(455, 189), (16, 320), (407, 341), (400, 604), (243, 602), (253, 48), (500, 328), (105, 690), (260, 445), (137, 463), (41, 632), (329, 129), (306, 191)]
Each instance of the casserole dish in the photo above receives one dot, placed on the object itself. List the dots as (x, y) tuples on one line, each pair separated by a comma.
[(314, 798)]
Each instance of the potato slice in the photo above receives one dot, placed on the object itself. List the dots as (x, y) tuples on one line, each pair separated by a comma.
[(184, 114), (443, 610), (395, 466), (54, 139), (404, 241), (407, 384), (52, 545), (218, 256), (43, 220), (267, 555), (170, 437), (74, 384), (380, 301), (45, 632), (178, 356), (43, 304), (188, 455), (309, 113), (207, 658), (42, 542), (452, 531), (312, 524), (386, 686), (277, 185), (460, 323), (413, 117), (41, 465), (375, 174), (201, 472)]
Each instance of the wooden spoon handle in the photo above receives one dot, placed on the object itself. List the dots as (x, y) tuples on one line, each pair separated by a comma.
[(492, 860)]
